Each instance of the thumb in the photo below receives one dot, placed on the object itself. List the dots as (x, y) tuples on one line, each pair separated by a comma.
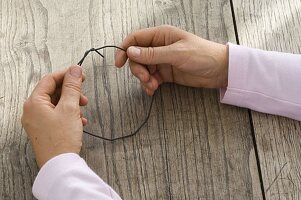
[(71, 88), (150, 55)]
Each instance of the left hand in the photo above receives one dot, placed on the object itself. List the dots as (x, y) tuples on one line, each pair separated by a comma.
[(51, 116), (168, 54)]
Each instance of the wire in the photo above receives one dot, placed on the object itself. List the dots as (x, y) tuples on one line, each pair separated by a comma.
[(147, 114)]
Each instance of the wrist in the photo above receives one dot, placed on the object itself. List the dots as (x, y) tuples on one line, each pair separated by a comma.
[(223, 64), (43, 156)]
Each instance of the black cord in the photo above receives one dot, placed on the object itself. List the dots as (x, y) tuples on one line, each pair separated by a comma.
[(147, 114)]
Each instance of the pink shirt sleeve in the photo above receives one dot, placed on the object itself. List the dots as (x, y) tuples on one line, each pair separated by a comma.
[(264, 81), (67, 176)]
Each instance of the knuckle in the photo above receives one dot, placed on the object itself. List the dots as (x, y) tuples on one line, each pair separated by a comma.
[(131, 38), (155, 85), (46, 77), (27, 105), (134, 70), (149, 55), (167, 27), (69, 106), (25, 121), (72, 86), (26, 109)]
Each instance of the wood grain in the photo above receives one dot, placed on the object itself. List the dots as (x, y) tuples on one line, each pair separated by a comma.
[(191, 148), (274, 25)]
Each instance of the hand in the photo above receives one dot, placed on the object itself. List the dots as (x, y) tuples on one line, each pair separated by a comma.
[(173, 55), (52, 117)]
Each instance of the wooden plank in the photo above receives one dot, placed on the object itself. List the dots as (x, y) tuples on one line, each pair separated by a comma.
[(274, 25), (191, 148), (23, 59)]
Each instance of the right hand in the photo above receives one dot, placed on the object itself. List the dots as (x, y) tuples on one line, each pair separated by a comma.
[(174, 55)]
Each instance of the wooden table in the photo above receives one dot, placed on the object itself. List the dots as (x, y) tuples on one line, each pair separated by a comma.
[(192, 147)]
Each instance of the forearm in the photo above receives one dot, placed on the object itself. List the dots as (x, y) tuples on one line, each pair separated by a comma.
[(264, 81), (67, 176)]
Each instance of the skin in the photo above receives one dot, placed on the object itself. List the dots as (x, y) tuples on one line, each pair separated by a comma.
[(169, 54), (52, 118)]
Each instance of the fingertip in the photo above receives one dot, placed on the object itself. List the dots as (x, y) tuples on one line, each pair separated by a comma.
[(83, 77), (149, 92), (155, 84), (139, 71), (83, 100), (152, 83), (71, 88), (146, 90), (143, 77), (84, 121), (149, 84), (120, 58), (76, 71), (158, 78), (147, 77), (76, 66)]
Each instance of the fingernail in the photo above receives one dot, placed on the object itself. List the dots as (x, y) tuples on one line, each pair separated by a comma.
[(134, 51), (76, 71)]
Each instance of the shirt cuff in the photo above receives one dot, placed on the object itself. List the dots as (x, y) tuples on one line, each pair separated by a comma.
[(235, 74), (67, 176), (52, 171), (263, 81)]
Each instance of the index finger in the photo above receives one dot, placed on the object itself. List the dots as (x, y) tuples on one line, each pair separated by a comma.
[(155, 36)]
